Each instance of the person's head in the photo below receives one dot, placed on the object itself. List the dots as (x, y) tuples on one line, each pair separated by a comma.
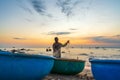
[(56, 39)]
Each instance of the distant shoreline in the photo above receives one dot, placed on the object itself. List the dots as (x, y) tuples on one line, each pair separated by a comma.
[(69, 47)]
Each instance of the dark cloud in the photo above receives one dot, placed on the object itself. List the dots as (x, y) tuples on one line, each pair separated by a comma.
[(59, 33), (106, 39), (18, 38), (38, 6), (67, 6)]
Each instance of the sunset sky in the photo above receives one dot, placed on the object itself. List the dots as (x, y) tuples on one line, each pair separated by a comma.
[(35, 23)]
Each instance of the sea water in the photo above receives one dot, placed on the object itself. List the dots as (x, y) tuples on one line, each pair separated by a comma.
[(76, 53)]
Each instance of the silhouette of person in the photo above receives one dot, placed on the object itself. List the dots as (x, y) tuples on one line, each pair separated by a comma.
[(57, 47)]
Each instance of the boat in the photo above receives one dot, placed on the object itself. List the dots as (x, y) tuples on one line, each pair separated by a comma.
[(103, 69), (17, 66), (4, 52), (68, 66)]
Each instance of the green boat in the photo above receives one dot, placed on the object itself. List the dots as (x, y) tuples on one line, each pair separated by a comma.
[(68, 66)]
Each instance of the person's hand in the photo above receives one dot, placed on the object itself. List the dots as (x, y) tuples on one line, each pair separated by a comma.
[(68, 41)]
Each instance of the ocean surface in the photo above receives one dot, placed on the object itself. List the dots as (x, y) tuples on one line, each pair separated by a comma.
[(76, 53)]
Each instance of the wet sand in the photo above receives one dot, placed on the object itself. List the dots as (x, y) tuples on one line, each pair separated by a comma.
[(84, 75)]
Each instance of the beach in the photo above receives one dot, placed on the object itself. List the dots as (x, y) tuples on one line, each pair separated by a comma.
[(84, 75)]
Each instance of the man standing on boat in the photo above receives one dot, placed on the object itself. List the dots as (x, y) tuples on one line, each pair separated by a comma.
[(57, 47)]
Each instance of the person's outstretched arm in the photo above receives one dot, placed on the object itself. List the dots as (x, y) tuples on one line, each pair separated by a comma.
[(63, 45)]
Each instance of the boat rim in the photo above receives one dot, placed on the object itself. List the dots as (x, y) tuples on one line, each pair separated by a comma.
[(27, 55), (66, 59), (113, 61)]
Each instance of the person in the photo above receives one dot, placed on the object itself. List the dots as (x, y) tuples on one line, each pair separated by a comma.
[(57, 47)]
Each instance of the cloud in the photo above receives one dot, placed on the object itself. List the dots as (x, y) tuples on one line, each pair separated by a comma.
[(67, 6), (38, 6), (18, 38), (72, 29), (29, 20), (59, 33), (106, 39), (117, 35), (25, 8)]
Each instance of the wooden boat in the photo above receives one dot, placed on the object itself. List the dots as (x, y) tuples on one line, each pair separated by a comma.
[(68, 66), (105, 69), (24, 67)]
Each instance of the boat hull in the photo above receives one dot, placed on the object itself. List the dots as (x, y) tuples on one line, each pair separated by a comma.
[(4, 52), (105, 69), (24, 67), (68, 66)]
